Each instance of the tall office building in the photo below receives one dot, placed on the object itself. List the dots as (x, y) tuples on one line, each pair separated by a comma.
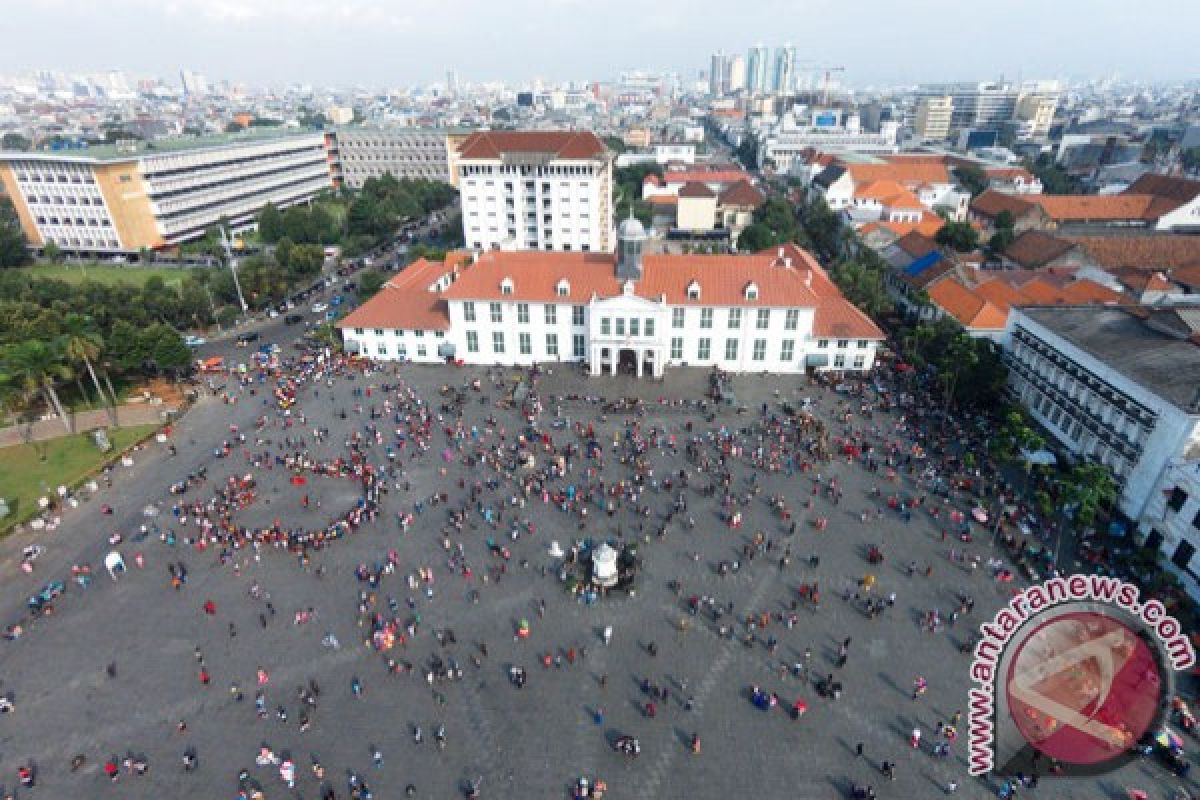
[(933, 117), (978, 106), (718, 74), (123, 197), (536, 190), (452, 83), (737, 73), (785, 69), (193, 82), (756, 69)]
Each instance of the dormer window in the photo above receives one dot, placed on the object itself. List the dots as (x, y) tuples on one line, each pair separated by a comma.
[(627, 288), (506, 286), (751, 291), (563, 288), (693, 291)]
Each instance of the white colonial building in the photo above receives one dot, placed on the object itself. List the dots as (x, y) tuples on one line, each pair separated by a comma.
[(1115, 385), (774, 311), (535, 190), (1171, 521)]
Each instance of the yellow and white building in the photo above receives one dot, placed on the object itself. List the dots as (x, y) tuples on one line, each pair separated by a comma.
[(125, 197)]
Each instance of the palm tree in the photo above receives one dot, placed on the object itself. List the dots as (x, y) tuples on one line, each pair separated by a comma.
[(37, 366), (84, 347)]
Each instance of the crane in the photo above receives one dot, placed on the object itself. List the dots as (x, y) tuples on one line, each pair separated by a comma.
[(825, 88)]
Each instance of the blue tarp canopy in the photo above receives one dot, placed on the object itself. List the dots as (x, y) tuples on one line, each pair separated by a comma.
[(923, 263)]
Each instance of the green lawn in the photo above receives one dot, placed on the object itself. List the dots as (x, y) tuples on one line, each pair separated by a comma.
[(107, 273), (24, 475)]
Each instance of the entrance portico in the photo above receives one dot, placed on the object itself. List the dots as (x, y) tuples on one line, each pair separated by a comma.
[(638, 361)]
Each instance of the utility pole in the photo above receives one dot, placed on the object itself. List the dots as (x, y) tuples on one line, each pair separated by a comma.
[(213, 306), (233, 269)]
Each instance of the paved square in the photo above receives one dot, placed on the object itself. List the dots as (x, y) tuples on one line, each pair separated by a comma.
[(533, 742)]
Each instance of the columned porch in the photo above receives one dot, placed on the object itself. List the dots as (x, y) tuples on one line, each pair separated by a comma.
[(636, 361)]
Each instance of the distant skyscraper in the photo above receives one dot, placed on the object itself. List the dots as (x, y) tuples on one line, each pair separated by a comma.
[(451, 82), (737, 73), (717, 74), (756, 69), (193, 82), (785, 69)]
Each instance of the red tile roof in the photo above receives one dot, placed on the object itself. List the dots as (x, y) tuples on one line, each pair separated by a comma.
[(1179, 190), (1098, 207), (971, 310), (916, 244), (985, 305), (721, 176), (838, 318), (1143, 252), (695, 189), (405, 302), (1036, 249), (562, 144), (928, 226), (991, 202), (742, 194), (904, 170)]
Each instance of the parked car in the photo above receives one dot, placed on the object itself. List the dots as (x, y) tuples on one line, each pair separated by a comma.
[(292, 319), (194, 341), (244, 339), (320, 308)]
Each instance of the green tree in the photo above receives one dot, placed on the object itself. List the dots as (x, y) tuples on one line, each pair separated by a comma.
[(962, 236), (1015, 434), (306, 260), (1054, 179), (164, 347), (52, 252), (747, 152), (14, 249), (615, 143), (972, 178), (370, 283), (823, 229), (1088, 488), (37, 366), (1001, 240), (15, 141), (270, 224), (774, 224), (83, 347), (1190, 159)]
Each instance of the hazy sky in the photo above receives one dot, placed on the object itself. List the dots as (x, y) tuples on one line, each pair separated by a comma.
[(396, 42)]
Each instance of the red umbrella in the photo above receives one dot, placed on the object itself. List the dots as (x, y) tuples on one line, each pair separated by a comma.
[(299, 480)]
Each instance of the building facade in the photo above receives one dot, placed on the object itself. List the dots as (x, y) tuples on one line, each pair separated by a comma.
[(977, 106), (1170, 524), (756, 69), (120, 199), (1117, 386), (932, 122), (774, 311), (536, 191), (360, 153)]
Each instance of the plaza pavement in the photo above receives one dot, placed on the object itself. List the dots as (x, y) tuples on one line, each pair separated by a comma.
[(530, 743)]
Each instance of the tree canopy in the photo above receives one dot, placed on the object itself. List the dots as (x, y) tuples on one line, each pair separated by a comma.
[(962, 236), (972, 178), (14, 249)]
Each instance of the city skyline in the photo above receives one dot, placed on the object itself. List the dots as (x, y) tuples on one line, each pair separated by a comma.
[(417, 44)]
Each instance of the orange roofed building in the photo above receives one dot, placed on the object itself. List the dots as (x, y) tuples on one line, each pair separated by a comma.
[(773, 311)]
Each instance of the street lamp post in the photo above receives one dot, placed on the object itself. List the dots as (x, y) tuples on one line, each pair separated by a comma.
[(233, 269)]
